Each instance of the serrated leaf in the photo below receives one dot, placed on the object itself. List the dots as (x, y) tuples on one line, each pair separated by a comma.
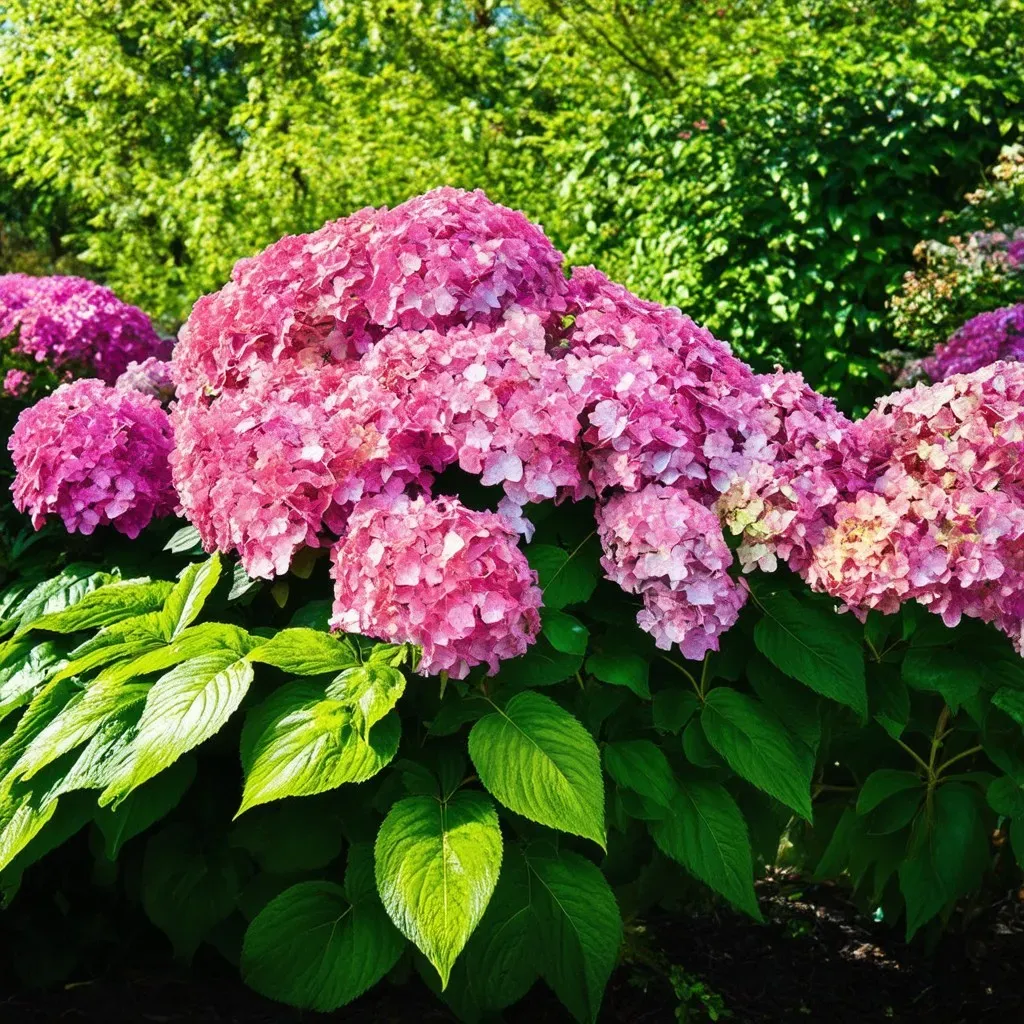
[(814, 648), (538, 761), (565, 577), (956, 675), (184, 707), (757, 746), (672, 709), (437, 863), (882, 784), (706, 833), (629, 670), (579, 928), (62, 591), (290, 836), (564, 632), (318, 946), (298, 743), (306, 652), (370, 692), (1010, 701), (110, 603), (187, 597), (1006, 797), (184, 540), (541, 665), (27, 665)]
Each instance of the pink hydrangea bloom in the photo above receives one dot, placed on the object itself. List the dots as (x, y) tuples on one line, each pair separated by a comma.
[(984, 339), (669, 549), (152, 377), (436, 574), (940, 519), (94, 456), (16, 383), (74, 323)]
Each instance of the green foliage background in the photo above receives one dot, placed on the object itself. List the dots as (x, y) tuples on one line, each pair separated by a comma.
[(156, 143)]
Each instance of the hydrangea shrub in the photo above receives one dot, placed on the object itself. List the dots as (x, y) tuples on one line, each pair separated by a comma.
[(543, 608)]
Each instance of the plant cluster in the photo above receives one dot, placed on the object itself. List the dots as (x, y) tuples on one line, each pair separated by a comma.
[(522, 481)]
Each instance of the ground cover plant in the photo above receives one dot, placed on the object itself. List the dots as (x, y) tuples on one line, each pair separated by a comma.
[(509, 607)]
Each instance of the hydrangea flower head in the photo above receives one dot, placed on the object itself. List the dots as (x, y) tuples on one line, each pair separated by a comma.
[(984, 339), (151, 377), (74, 323), (669, 549), (440, 575), (95, 456), (16, 382)]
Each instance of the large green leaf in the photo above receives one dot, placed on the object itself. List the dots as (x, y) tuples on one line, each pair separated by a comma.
[(884, 783), (621, 669), (1011, 701), (641, 766), (109, 603), (564, 632), (306, 652), (371, 691), (565, 577), (185, 601), (956, 675), (1006, 797), (706, 833), (319, 946), (579, 928), (756, 745), (22, 817), (947, 853), (540, 762), (62, 591), (26, 666), (290, 836), (184, 707), (188, 885), (437, 863), (814, 647), (299, 742), (129, 638)]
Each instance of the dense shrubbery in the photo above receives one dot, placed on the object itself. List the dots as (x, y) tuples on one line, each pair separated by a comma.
[(518, 492)]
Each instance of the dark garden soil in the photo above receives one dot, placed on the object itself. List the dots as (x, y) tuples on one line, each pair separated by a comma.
[(815, 959)]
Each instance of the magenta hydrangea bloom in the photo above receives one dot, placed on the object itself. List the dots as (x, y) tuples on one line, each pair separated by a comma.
[(16, 383), (984, 339), (940, 519), (95, 456), (151, 377), (439, 575), (669, 549), (69, 322)]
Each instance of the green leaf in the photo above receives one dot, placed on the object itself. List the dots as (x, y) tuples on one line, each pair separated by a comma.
[(298, 743), (579, 928), (947, 853), (629, 670), (541, 665), (882, 784), (76, 723), (186, 599), (370, 692), (564, 632), (757, 746), (538, 761), (706, 833), (184, 707), (794, 705), (437, 863), (1006, 797), (813, 647), (188, 886), (65, 589), (956, 675), (184, 540), (641, 766), (318, 946), (110, 603), (306, 652), (144, 806), (672, 709), (130, 638), (290, 836), (565, 578), (1010, 701), (27, 665), (890, 701)]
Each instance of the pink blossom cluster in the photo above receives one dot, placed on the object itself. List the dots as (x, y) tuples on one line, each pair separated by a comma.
[(669, 549), (440, 575), (984, 339), (17, 383), (74, 324), (152, 376), (940, 518), (95, 456), (1007, 246)]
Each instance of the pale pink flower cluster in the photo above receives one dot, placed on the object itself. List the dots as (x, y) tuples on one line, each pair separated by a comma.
[(940, 518), (75, 324), (95, 456), (440, 575), (669, 549), (17, 382), (984, 339), (152, 376)]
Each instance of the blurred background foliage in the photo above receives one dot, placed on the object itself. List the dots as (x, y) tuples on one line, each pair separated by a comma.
[(767, 165)]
